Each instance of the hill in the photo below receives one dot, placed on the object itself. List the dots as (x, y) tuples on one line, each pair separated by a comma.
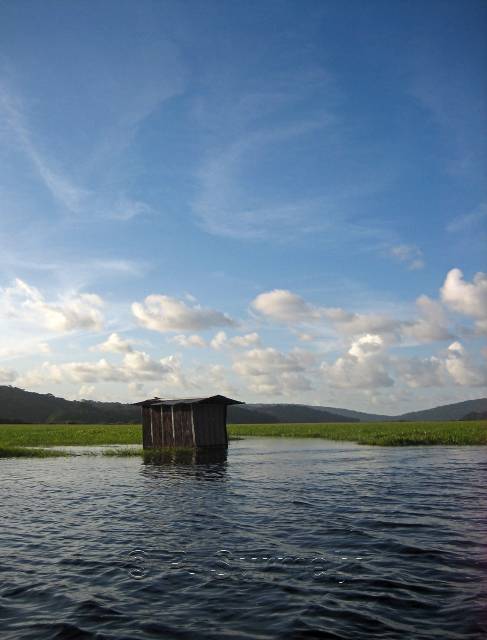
[(18, 405), (455, 411), (283, 413), (476, 415)]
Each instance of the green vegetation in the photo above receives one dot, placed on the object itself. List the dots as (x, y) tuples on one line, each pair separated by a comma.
[(125, 452), (50, 435), (16, 440), (20, 406), (376, 433), (25, 452)]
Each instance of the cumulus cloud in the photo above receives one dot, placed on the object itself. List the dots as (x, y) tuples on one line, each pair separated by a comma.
[(163, 313), (420, 373), (288, 308), (212, 379), (430, 326), (451, 366), (7, 376), (221, 341), (272, 372), (410, 254), (467, 298), (189, 341), (461, 368), (86, 391), (115, 344), (356, 324), (135, 366), (27, 304), (284, 306), (364, 366), (26, 347)]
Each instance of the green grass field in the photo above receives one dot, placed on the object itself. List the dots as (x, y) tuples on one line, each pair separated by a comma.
[(17, 440), (376, 433), (49, 435)]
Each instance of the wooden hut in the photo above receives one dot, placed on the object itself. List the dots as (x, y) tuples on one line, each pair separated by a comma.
[(188, 422)]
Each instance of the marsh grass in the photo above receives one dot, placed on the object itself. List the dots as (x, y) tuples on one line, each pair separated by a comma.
[(16, 439), (124, 452), (26, 452), (376, 433), (51, 435)]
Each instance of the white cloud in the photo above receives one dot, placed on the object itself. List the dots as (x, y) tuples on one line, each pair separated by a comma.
[(27, 304), (86, 391), (467, 298), (135, 366), (364, 366), (163, 313), (356, 324), (115, 344), (409, 254), (367, 366), (188, 341), (462, 369), (7, 375), (430, 326), (420, 373), (284, 306), (269, 371), (211, 379), (27, 347), (221, 341), (307, 337), (453, 366)]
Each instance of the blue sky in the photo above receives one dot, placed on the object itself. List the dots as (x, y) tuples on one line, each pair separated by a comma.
[(306, 177)]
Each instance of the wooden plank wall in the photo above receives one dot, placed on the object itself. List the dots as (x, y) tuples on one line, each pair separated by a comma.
[(156, 428), (200, 425), (183, 427), (146, 428), (210, 425), (167, 430)]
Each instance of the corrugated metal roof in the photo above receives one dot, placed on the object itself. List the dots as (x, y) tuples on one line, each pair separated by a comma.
[(208, 400)]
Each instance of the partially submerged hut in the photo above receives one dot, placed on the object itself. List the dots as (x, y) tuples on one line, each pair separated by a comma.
[(187, 422)]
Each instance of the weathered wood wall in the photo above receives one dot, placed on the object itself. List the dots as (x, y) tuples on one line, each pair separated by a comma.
[(146, 428), (156, 428), (210, 425), (167, 427), (185, 425)]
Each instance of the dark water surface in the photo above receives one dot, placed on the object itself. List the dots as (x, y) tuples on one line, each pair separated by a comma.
[(282, 539)]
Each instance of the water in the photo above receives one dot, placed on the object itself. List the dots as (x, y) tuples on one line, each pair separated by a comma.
[(282, 539)]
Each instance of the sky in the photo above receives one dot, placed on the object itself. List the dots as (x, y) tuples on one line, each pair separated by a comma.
[(275, 201)]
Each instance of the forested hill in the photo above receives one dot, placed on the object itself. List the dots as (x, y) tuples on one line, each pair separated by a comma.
[(17, 405), (282, 413)]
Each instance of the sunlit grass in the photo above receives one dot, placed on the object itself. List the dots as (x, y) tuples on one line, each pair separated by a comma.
[(376, 433), (26, 452), (22, 436), (51, 435)]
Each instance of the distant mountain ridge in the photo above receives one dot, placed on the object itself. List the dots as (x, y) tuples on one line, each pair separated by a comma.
[(18, 405)]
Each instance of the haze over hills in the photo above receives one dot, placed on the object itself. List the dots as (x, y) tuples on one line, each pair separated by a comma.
[(18, 405)]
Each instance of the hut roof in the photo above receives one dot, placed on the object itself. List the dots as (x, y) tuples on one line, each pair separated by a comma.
[(208, 400)]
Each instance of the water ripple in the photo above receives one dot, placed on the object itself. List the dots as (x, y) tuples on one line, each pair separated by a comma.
[(281, 540)]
